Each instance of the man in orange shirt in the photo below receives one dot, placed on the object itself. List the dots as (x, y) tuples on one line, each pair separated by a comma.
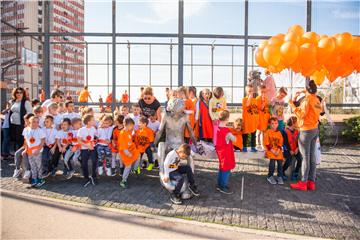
[(250, 118), (144, 139), (273, 141), (84, 95)]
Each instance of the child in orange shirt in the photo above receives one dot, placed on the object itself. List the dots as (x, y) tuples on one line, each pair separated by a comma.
[(236, 131), (144, 139), (273, 141), (119, 125), (250, 118), (128, 151), (189, 110), (264, 115)]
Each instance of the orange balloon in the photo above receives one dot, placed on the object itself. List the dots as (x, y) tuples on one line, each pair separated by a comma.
[(296, 29), (326, 47), (333, 63), (275, 40), (308, 70), (259, 58), (263, 44), (293, 37), (289, 52), (307, 56), (332, 76), (280, 36), (346, 68), (310, 37), (344, 41), (271, 54), (295, 66), (319, 76)]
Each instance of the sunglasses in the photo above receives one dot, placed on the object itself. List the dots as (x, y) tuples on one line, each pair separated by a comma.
[(147, 98)]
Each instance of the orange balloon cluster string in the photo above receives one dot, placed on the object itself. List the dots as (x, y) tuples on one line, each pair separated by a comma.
[(310, 54)]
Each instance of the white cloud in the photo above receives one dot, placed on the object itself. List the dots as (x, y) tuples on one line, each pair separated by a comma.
[(343, 14)]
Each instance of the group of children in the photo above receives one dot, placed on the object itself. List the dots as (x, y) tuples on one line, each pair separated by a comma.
[(117, 145)]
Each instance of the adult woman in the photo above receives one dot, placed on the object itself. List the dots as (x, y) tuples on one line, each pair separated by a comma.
[(148, 102), (308, 114), (19, 107)]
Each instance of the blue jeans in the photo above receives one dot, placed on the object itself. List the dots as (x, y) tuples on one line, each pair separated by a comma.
[(272, 167), (5, 145), (104, 153), (223, 178)]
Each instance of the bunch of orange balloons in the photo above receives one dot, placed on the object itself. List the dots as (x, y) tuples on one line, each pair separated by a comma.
[(310, 54)]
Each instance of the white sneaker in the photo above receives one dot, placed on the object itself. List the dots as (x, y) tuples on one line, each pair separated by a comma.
[(27, 174), (17, 173), (260, 148), (108, 172), (100, 171)]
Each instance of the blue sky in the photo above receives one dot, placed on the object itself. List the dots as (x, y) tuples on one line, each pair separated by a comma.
[(205, 17)]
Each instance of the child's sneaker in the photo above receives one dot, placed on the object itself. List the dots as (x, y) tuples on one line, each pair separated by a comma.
[(53, 173), (156, 164), (193, 189), (40, 182), (224, 190), (46, 174), (113, 172), (253, 150), (280, 181), (124, 184), (108, 172), (175, 199), (65, 172), (245, 149), (271, 180), (27, 174), (150, 167), (33, 182), (100, 170), (138, 171), (17, 173), (284, 177), (144, 165), (294, 176), (70, 174)]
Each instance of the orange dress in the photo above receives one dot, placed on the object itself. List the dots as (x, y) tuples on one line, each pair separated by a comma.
[(264, 113), (250, 116), (114, 140), (143, 138), (125, 142), (189, 105), (238, 134), (273, 140), (196, 127)]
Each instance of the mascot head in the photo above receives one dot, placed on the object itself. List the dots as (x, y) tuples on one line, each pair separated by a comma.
[(175, 106)]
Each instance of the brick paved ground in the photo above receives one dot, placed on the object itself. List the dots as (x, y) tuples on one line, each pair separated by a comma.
[(333, 211)]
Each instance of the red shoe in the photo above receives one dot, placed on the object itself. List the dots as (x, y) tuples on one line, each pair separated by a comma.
[(310, 185), (299, 186)]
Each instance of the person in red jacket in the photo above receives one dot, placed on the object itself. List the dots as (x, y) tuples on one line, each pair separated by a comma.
[(225, 151)]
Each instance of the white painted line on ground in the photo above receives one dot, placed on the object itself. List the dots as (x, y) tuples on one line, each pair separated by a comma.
[(242, 188), (349, 157)]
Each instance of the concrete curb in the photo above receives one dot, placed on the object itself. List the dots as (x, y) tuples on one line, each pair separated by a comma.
[(272, 234)]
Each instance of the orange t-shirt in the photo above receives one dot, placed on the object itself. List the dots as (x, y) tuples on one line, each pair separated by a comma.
[(238, 134), (250, 116), (125, 142), (114, 140), (273, 140), (264, 113), (189, 105), (308, 113), (84, 95), (124, 98), (143, 138)]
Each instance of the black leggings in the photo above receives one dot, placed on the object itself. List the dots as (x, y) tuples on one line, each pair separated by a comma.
[(16, 136), (252, 140)]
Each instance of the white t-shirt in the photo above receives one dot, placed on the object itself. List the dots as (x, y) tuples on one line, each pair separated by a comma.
[(42, 122), (104, 134), (33, 136), (154, 125), (71, 115), (47, 103), (63, 137), (50, 135), (86, 134), (57, 120), (136, 120)]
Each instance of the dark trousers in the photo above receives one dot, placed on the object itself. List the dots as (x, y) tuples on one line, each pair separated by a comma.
[(16, 136), (177, 175), (252, 140), (50, 161), (149, 155), (272, 167), (223, 178), (288, 162), (85, 156)]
